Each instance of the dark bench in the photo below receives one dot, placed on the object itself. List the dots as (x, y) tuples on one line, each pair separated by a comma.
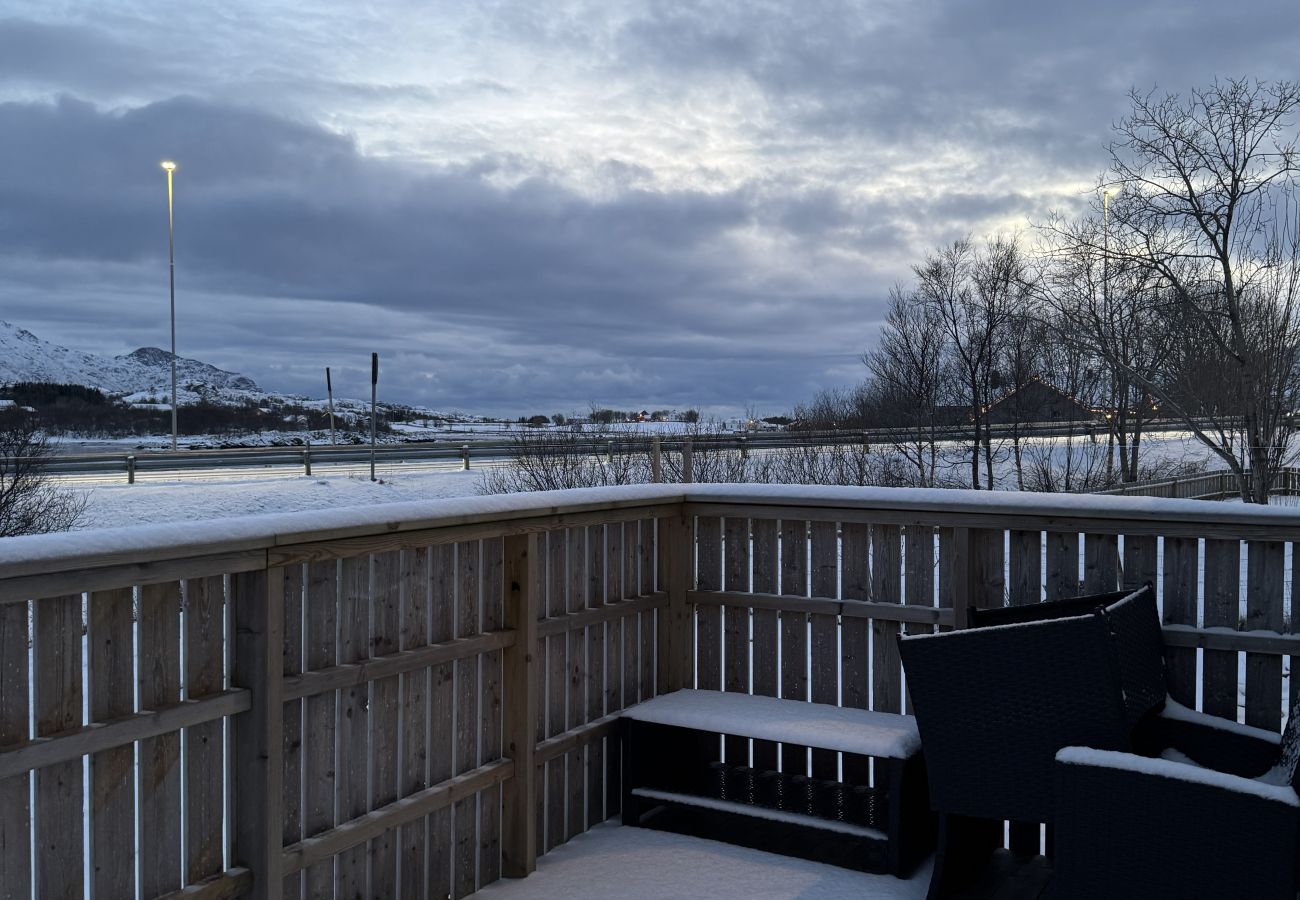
[(674, 778)]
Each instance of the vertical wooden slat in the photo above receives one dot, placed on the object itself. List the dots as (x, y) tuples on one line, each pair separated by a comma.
[(1222, 589), (557, 582), (57, 669), (112, 772), (614, 669), (319, 779), (1179, 604), (465, 812), (987, 573), (824, 633), (294, 588), (385, 639), (736, 625), (794, 632), (708, 554), (649, 646), (1264, 574), (764, 625), (1062, 574), (160, 757), (576, 650), (631, 631), (855, 634), (1100, 563), (15, 792), (414, 589), (204, 763), (596, 667), (1026, 568), (886, 676), (258, 617), (918, 565), (492, 709), (442, 705), (519, 837), (1140, 561), (353, 728)]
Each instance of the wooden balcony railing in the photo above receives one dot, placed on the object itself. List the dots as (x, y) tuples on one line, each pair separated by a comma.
[(415, 700)]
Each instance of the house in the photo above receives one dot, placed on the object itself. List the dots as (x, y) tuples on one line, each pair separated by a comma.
[(1038, 401)]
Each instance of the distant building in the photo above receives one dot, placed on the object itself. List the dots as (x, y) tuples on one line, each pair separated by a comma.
[(1038, 401)]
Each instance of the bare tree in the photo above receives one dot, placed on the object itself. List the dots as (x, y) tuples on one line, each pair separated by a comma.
[(29, 503), (973, 294), (1206, 202), (908, 368)]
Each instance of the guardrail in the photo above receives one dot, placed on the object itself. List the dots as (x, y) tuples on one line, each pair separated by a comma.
[(303, 456)]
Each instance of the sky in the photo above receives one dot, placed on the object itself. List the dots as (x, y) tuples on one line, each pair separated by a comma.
[(539, 205)]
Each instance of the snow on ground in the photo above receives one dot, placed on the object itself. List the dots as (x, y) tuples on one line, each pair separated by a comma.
[(639, 864), (151, 502)]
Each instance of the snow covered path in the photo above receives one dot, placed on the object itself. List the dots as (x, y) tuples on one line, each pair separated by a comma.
[(638, 864)]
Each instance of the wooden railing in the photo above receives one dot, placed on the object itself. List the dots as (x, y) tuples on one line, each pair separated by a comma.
[(1218, 485), (414, 701)]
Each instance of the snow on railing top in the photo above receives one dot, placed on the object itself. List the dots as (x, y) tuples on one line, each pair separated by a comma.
[(40, 554)]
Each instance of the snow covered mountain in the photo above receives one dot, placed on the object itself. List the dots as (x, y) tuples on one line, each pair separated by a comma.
[(147, 371)]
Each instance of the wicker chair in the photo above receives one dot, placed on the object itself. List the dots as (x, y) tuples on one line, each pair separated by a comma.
[(1134, 827), (994, 705)]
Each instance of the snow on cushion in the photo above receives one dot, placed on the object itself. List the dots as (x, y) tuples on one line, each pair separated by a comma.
[(1177, 770), (790, 721)]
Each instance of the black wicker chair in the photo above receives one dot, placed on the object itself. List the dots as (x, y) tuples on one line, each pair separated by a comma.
[(994, 705), (1134, 827)]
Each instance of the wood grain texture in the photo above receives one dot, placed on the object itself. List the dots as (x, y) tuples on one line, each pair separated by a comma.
[(1062, 575), (491, 706), (735, 626), (1100, 563), (1264, 580), (414, 584), (824, 651), (596, 667), (385, 739), (15, 792), (523, 572), (204, 638), (577, 676), (1222, 589), (442, 704), (465, 812), (319, 718), (1141, 561), (160, 757), (794, 632), (1179, 606), (765, 624), (555, 694), (1026, 569), (56, 660), (886, 587), (353, 727), (708, 622), (112, 772)]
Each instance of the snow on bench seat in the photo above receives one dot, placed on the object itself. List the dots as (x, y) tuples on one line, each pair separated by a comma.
[(817, 725)]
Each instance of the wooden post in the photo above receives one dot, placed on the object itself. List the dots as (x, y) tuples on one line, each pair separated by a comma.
[(678, 569), (464, 455), (656, 461), (960, 572), (306, 459), (258, 600), (520, 677), (688, 475)]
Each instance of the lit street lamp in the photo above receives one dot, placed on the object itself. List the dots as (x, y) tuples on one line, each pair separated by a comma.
[(170, 167)]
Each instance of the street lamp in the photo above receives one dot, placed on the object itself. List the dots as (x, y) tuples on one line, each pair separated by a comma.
[(170, 167)]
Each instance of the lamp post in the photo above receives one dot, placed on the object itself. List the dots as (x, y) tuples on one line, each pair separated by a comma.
[(170, 167)]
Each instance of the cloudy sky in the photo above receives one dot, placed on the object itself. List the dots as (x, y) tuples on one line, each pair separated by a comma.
[(533, 205)]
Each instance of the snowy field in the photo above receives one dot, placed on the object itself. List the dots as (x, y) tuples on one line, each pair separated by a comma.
[(639, 864)]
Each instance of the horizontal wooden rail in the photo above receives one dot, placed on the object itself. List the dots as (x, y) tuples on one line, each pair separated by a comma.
[(228, 885), (574, 738), (333, 678), (72, 745), (36, 586), (321, 847), (1227, 639), (607, 613), (853, 609)]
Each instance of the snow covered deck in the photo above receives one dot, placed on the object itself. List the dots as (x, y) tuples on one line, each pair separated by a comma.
[(639, 864)]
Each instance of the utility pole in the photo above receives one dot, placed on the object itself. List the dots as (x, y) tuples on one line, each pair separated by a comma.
[(329, 391), (374, 381)]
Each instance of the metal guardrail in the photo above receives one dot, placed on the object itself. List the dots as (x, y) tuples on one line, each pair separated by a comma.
[(495, 450)]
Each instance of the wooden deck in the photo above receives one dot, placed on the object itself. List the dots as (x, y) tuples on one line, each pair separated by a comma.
[(466, 662)]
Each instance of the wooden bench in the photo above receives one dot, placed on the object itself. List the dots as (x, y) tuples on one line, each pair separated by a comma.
[(675, 778)]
